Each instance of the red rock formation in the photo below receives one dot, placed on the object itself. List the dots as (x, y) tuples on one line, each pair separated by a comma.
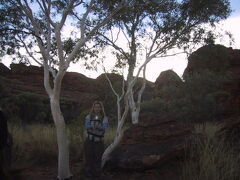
[(219, 59), (4, 70), (153, 144), (166, 78)]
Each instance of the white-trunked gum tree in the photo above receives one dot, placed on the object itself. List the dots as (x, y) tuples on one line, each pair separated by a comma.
[(37, 27), (153, 30)]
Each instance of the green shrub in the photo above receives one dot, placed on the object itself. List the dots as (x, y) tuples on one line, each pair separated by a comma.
[(200, 98)]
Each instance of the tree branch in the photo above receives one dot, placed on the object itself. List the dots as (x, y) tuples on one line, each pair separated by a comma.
[(28, 52)]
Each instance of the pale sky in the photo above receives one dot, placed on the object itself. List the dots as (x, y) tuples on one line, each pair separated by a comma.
[(177, 63)]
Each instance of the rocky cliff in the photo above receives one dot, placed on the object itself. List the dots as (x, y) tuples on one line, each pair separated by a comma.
[(76, 87), (221, 61)]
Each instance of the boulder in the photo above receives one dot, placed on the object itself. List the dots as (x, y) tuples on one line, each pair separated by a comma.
[(4, 69), (149, 145), (168, 78), (220, 60)]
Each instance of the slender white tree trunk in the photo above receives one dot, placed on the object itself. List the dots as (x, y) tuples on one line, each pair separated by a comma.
[(112, 146), (135, 115), (121, 121), (62, 140), (117, 139)]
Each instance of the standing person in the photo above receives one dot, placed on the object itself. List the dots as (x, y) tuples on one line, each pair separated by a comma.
[(96, 123)]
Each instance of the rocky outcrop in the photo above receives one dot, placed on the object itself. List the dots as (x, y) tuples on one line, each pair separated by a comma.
[(166, 85), (4, 70), (167, 78), (221, 61), (75, 86), (215, 58), (151, 144)]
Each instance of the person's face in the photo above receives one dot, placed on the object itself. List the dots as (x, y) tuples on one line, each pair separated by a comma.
[(97, 108)]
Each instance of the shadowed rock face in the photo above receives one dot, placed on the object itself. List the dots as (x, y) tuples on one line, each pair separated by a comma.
[(4, 70), (167, 78), (215, 58), (219, 59), (75, 86), (150, 144)]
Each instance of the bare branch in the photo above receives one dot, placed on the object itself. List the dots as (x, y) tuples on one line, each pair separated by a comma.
[(142, 88), (110, 83), (77, 4), (29, 15), (168, 55), (47, 11), (83, 40), (65, 14), (28, 52), (112, 43), (84, 18), (125, 35)]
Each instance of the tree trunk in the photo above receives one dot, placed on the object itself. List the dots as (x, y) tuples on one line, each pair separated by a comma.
[(113, 145), (135, 115), (62, 140)]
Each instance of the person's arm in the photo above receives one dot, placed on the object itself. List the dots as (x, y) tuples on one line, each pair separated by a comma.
[(88, 122), (104, 124)]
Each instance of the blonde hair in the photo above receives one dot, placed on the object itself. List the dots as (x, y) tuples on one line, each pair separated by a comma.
[(102, 108)]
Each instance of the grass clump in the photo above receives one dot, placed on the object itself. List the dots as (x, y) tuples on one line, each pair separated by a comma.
[(34, 143), (211, 158), (37, 143)]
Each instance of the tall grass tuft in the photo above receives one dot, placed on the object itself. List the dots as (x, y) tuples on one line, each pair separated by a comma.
[(34, 143), (37, 143), (211, 157)]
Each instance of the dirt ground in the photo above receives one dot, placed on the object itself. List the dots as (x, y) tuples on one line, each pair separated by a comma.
[(49, 172)]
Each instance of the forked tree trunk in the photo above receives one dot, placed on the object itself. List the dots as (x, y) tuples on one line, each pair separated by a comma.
[(62, 140)]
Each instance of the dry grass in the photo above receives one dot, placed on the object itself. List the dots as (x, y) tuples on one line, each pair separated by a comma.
[(36, 143), (212, 158)]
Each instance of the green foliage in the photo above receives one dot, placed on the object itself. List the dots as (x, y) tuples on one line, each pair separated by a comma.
[(27, 108), (201, 98)]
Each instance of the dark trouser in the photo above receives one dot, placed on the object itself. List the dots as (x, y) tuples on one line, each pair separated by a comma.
[(93, 156)]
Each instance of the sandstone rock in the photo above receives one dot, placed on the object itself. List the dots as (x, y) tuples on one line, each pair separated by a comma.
[(220, 60), (4, 69), (150, 145), (167, 78)]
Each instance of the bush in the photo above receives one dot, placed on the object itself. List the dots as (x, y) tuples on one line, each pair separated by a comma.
[(200, 98), (27, 107)]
